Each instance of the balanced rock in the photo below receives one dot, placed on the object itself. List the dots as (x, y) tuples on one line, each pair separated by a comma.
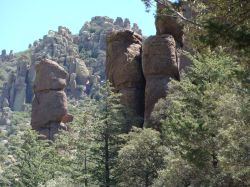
[(49, 106), (124, 68), (167, 24), (49, 76), (160, 64)]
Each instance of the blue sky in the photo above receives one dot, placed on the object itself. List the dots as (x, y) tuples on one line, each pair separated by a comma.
[(23, 21)]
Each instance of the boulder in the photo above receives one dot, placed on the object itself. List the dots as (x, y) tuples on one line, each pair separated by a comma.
[(49, 76), (82, 72), (169, 25), (49, 106), (124, 69), (160, 63)]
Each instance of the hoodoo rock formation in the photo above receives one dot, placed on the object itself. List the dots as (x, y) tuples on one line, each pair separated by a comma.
[(160, 64), (167, 24), (82, 55), (14, 90), (124, 68), (49, 106), (161, 60)]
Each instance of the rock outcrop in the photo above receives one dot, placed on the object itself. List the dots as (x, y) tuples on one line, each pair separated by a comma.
[(60, 47), (83, 56), (160, 63), (4, 57), (92, 41), (171, 25), (161, 60), (49, 107), (14, 90), (5, 116), (124, 68)]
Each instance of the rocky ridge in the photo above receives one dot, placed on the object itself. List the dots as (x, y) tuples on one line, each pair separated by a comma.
[(141, 72), (83, 56)]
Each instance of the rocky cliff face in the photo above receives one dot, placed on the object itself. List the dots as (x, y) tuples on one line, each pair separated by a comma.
[(83, 56), (14, 90), (49, 107), (124, 69), (92, 41), (4, 57), (160, 63), (59, 47)]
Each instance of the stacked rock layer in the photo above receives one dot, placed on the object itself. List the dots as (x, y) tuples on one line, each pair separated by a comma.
[(143, 76), (124, 68), (49, 107)]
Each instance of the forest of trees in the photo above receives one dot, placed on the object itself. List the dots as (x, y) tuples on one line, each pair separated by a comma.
[(204, 121)]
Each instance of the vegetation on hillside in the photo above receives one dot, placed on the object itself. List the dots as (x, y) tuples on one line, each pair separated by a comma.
[(204, 120)]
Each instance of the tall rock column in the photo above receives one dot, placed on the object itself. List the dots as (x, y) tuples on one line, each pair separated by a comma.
[(124, 69), (160, 61), (14, 90), (49, 106)]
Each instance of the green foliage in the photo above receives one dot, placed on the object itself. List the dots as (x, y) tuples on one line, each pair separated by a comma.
[(93, 141), (76, 143), (111, 123), (140, 158), (213, 23), (34, 162), (204, 120)]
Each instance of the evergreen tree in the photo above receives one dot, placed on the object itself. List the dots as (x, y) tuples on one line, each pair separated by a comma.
[(34, 162), (110, 124), (78, 141), (204, 120), (140, 158)]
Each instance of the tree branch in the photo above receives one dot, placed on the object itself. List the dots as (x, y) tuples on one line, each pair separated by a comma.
[(178, 14)]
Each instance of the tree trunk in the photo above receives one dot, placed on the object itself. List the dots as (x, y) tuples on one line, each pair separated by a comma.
[(107, 179), (85, 168), (146, 180)]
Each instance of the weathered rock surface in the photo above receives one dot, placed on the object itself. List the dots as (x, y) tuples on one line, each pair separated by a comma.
[(14, 90), (5, 117), (160, 63), (60, 47), (124, 68), (49, 107), (83, 56), (92, 41), (4, 57), (169, 25)]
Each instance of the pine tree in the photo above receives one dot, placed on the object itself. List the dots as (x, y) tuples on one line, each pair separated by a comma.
[(204, 119), (110, 124), (34, 162), (140, 158)]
